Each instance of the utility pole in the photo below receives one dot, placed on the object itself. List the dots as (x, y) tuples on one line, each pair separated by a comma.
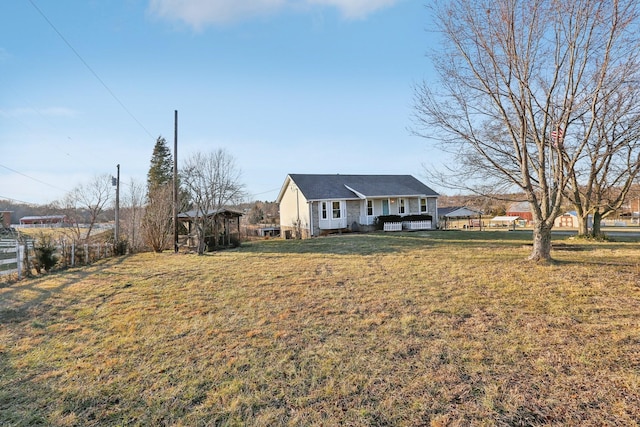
[(116, 235), (175, 182)]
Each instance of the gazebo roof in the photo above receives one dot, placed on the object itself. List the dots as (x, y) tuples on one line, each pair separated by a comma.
[(195, 213)]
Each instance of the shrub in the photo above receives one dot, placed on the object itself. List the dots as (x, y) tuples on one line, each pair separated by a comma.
[(418, 217), (45, 249), (120, 248)]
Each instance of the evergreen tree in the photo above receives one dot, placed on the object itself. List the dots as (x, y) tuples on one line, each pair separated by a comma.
[(161, 169), (158, 220)]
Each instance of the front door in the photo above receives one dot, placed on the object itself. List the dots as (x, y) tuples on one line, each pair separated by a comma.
[(385, 207)]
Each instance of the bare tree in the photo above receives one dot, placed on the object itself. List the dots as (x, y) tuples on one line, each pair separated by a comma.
[(84, 205), (158, 219), (514, 75), (212, 182), (131, 214), (601, 181)]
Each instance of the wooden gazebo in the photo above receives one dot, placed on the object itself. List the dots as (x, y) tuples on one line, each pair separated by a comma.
[(226, 224)]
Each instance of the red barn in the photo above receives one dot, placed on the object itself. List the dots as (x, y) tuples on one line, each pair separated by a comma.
[(45, 220), (520, 209)]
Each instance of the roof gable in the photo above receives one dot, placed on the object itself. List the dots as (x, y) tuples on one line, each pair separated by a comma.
[(457, 211), (519, 207), (324, 187)]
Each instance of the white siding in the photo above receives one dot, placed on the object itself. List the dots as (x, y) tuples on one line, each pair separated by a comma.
[(293, 206)]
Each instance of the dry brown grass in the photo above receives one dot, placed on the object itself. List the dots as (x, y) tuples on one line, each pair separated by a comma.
[(440, 329)]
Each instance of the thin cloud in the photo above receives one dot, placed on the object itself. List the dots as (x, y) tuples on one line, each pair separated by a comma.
[(199, 13), (355, 9)]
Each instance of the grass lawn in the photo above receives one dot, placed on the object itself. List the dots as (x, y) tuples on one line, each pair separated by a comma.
[(409, 329)]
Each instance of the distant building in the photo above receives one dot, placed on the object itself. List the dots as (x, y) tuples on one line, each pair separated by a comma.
[(456, 213), (5, 218), (520, 209), (570, 220), (44, 220)]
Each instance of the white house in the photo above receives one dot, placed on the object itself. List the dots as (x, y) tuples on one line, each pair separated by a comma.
[(313, 204)]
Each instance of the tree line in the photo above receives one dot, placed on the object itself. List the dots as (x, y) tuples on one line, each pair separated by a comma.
[(206, 182)]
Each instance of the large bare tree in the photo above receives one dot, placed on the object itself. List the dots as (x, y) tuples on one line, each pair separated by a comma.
[(514, 76), (85, 204), (601, 181), (212, 181)]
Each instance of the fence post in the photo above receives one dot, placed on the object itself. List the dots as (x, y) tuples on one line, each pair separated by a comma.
[(86, 253), (73, 253), (19, 255)]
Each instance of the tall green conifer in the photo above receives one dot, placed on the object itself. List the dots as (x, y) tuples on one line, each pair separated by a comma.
[(161, 169)]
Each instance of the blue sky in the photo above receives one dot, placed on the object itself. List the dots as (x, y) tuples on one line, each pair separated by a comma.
[(307, 86)]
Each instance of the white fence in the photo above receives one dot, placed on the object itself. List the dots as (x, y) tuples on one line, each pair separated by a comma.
[(11, 256), (392, 226), (418, 225), (407, 225)]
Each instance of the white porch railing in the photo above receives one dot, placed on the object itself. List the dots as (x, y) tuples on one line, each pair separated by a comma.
[(392, 226), (407, 225), (418, 225)]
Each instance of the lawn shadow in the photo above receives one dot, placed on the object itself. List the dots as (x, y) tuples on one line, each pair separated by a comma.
[(23, 396), (14, 309)]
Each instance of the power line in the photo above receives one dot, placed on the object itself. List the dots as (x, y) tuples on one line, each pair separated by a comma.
[(15, 200), (113, 95), (32, 178), (262, 192)]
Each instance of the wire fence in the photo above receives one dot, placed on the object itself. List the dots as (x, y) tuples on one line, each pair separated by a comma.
[(19, 259)]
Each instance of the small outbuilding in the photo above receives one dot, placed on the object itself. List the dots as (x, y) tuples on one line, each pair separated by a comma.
[(504, 221), (44, 221), (269, 231), (570, 220), (459, 216), (225, 223)]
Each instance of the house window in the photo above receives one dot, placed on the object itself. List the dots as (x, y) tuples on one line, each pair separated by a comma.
[(401, 206), (323, 210), (335, 209), (370, 207), (423, 205)]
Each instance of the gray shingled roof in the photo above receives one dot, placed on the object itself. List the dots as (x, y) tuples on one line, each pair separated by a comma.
[(465, 211), (321, 187), (195, 213)]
